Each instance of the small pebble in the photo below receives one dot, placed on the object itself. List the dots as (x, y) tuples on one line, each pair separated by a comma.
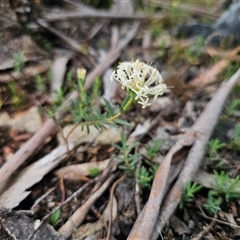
[(191, 224)]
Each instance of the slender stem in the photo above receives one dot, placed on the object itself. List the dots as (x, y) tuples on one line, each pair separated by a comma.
[(114, 117), (126, 160), (125, 107), (128, 104)]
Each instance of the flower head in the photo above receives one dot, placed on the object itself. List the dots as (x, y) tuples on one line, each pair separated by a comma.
[(144, 80)]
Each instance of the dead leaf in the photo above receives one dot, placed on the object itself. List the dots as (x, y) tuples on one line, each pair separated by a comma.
[(140, 130), (29, 72), (29, 120), (110, 87), (207, 180), (75, 171), (59, 67), (188, 118), (161, 103), (210, 75), (179, 226), (4, 118), (19, 183), (78, 135)]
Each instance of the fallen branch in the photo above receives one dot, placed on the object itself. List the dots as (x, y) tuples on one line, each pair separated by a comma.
[(147, 225), (204, 126), (98, 14)]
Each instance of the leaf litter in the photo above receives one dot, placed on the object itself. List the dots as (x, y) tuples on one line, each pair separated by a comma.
[(61, 154)]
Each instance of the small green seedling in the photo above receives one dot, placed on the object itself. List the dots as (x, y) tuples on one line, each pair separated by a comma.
[(189, 192), (153, 149), (40, 83), (232, 67), (19, 61), (236, 90), (234, 144), (154, 168), (94, 172), (102, 43), (213, 204), (55, 217), (174, 11), (69, 80), (96, 89), (144, 178), (214, 160), (214, 146), (233, 107), (225, 186), (217, 163), (57, 102), (195, 51), (47, 46), (129, 160), (17, 95)]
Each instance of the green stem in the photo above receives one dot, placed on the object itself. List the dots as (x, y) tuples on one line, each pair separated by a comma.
[(125, 155), (127, 103)]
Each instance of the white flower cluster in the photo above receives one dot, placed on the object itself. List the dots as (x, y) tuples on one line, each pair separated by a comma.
[(144, 80)]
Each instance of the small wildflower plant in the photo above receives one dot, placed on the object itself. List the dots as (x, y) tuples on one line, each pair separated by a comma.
[(213, 204), (141, 81), (225, 186), (94, 172), (188, 193), (129, 160), (145, 178)]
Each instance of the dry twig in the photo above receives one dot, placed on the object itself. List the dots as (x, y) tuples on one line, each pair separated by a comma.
[(99, 216), (137, 188), (215, 219), (42, 197), (204, 231), (69, 199), (111, 206)]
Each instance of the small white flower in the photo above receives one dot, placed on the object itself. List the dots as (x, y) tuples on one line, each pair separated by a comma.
[(144, 80)]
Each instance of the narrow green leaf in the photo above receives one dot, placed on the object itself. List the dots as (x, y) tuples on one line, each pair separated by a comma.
[(54, 217), (122, 122), (108, 106), (126, 100)]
